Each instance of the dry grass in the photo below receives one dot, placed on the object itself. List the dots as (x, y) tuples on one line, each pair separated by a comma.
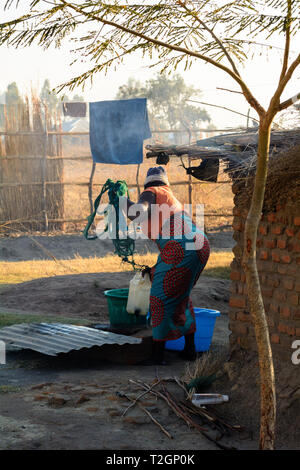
[(205, 366), (22, 271)]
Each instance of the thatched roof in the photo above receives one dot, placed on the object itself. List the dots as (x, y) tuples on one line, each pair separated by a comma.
[(283, 181), (237, 150)]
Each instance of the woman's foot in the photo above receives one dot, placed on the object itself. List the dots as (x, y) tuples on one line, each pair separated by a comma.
[(189, 353)]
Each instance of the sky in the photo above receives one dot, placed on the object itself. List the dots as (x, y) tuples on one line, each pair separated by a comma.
[(29, 67)]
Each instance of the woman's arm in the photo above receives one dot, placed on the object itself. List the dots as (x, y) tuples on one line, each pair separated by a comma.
[(147, 198)]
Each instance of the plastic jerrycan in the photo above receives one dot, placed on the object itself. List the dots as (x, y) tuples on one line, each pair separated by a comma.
[(139, 294)]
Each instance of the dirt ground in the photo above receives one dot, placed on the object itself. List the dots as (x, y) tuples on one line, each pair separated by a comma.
[(73, 401), (22, 248), (70, 403)]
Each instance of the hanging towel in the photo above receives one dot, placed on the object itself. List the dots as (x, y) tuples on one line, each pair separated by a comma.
[(74, 109), (117, 131)]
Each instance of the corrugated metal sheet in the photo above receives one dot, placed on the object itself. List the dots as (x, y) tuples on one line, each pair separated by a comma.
[(55, 338)]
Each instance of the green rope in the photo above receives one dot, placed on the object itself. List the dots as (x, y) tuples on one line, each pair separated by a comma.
[(124, 247)]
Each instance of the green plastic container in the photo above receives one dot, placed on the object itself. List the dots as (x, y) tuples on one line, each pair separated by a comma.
[(118, 316)]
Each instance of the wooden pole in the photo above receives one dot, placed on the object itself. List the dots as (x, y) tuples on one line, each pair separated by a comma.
[(137, 180), (44, 170), (91, 186)]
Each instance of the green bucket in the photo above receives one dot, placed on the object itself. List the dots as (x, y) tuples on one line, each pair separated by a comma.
[(118, 316)]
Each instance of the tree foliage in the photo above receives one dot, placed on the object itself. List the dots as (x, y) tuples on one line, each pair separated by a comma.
[(167, 101), (173, 32), (12, 95)]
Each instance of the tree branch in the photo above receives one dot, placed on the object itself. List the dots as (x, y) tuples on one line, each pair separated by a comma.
[(194, 15), (287, 41), (247, 93), (285, 104), (274, 104)]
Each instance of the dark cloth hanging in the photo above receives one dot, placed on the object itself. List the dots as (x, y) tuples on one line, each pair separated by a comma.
[(117, 131), (75, 109), (162, 159), (208, 170)]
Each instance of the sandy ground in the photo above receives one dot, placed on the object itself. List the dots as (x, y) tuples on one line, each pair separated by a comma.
[(22, 248), (72, 402)]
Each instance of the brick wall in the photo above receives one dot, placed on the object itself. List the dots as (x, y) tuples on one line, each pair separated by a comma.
[(278, 262)]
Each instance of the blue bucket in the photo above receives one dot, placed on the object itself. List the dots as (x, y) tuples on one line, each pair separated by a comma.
[(205, 324)]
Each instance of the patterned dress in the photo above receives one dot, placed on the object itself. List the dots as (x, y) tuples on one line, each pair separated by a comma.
[(183, 256)]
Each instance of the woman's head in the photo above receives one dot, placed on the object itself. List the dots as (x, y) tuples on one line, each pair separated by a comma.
[(156, 174)]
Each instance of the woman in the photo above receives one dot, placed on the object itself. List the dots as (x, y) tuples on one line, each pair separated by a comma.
[(184, 251)]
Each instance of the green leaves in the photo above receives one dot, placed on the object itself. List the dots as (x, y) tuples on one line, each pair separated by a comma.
[(167, 30)]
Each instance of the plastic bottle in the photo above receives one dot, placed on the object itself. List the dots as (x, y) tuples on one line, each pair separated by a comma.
[(201, 399), (139, 294)]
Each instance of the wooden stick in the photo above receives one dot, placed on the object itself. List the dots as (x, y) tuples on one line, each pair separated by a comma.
[(140, 396), (148, 414)]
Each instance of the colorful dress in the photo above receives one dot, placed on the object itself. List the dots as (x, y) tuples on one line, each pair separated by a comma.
[(184, 251)]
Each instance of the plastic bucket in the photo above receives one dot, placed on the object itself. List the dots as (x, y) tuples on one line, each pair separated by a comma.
[(205, 324), (118, 316)]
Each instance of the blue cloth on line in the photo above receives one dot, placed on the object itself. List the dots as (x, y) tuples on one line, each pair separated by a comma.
[(117, 131)]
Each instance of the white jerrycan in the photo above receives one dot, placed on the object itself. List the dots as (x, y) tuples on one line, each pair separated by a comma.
[(139, 294)]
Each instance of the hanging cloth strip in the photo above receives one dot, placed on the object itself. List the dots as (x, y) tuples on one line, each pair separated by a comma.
[(124, 247)]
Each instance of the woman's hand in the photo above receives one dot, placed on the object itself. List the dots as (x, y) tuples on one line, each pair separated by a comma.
[(147, 270)]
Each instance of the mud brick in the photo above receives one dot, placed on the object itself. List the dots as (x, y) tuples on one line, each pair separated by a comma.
[(297, 331), (290, 232), (240, 329), (285, 311), (275, 257), (263, 255), (270, 267), (267, 292), (274, 307), (233, 287), (281, 328), (235, 275), (293, 298), (245, 342), (281, 243), (275, 338), (296, 313), (297, 221), (241, 316), (272, 217), (291, 330), (263, 229), (276, 229), (280, 295), (298, 260), (237, 301), (282, 268), (288, 284), (296, 247), (297, 286), (273, 282), (238, 224), (232, 315), (286, 259), (292, 269), (270, 243), (259, 242), (236, 211)]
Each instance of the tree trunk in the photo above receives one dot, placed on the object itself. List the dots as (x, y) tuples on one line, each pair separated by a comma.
[(267, 379)]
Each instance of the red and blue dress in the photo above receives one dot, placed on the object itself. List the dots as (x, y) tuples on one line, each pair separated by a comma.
[(184, 251)]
